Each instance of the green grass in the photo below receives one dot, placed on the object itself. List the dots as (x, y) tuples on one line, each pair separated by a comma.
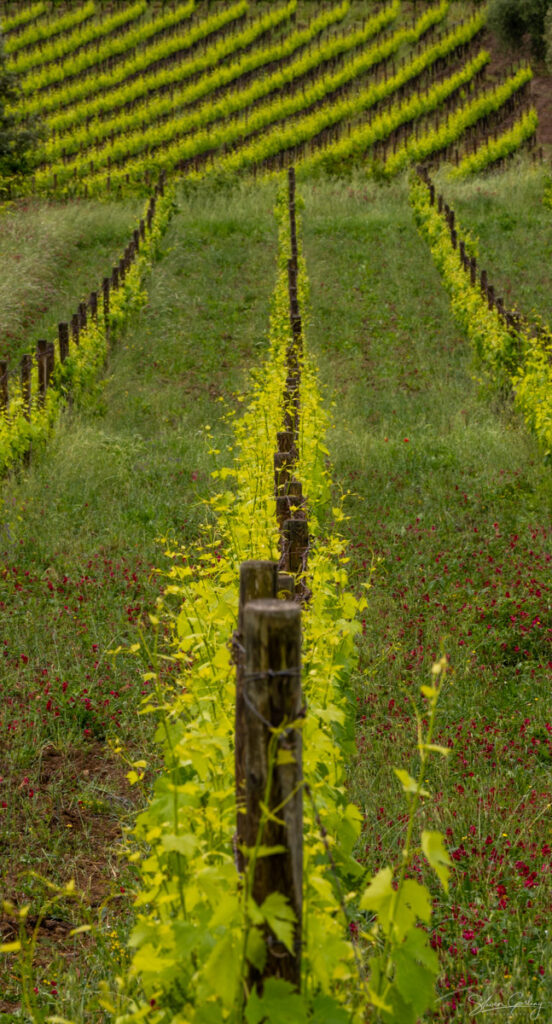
[(81, 535), (451, 500), (53, 255)]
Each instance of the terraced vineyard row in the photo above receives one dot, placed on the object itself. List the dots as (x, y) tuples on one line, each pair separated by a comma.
[(199, 90)]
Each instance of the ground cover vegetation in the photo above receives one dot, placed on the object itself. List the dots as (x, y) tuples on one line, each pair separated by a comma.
[(426, 633)]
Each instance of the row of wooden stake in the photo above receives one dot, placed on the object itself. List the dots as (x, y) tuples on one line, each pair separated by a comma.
[(44, 358), (512, 319), (267, 647)]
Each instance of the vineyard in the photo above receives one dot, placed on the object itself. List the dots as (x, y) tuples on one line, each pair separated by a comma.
[(275, 447), (213, 90)]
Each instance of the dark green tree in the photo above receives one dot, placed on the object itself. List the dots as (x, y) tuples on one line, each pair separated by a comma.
[(18, 134), (512, 20)]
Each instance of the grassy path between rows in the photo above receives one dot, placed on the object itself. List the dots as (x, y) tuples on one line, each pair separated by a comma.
[(451, 501), (80, 535)]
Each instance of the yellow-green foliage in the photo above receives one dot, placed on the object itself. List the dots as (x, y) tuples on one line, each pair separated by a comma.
[(514, 360), (20, 429), (497, 149)]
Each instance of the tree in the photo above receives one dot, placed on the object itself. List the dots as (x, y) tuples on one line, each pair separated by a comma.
[(514, 19), (18, 134)]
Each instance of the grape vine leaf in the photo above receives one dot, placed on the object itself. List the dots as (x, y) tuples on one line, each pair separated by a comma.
[(433, 847), (279, 1004), (280, 917)]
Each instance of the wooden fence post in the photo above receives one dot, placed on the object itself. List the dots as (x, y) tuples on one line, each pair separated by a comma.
[(4, 393), (292, 218), (295, 542), (286, 585), (26, 369), (105, 291), (42, 355), (63, 335), (75, 328), (50, 362), (272, 696), (258, 579)]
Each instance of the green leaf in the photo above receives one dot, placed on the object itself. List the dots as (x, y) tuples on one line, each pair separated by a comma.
[(185, 844), (221, 970), (413, 903), (148, 961), (413, 978), (327, 1011), (279, 1004), (256, 949), (280, 917), (433, 846), (207, 1013), (377, 897), (408, 783), (417, 897)]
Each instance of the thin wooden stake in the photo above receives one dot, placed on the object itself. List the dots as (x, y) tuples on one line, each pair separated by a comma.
[(258, 579), (4, 393), (272, 695)]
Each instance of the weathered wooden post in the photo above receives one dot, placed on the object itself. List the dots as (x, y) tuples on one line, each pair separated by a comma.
[(50, 362), (105, 291), (295, 542), (295, 493), (258, 579), (272, 697), (75, 328), (286, 585), (63, 335), (41, 355), (294, 312), (26, 370), (283, 510), (292, 218), (4, 394), (283, 468)]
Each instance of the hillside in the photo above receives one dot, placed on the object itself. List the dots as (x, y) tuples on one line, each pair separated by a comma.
[(212, 90)]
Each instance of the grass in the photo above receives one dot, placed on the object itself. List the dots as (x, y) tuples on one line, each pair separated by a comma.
[(450, 497), (53, 255), (80, 539)]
